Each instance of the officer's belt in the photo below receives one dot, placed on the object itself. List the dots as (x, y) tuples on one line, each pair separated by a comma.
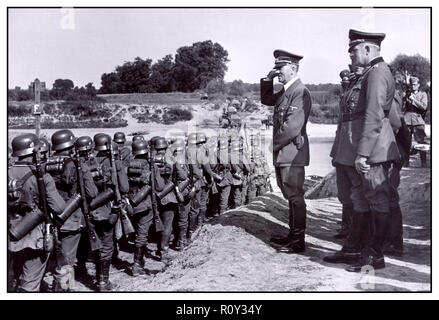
[(413, 109), (351, 116)]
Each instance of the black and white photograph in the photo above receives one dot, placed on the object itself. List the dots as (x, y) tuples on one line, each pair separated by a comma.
[(218, 149)]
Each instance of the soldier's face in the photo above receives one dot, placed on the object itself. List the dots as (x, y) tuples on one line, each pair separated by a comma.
[(358, 55), (286, 73)]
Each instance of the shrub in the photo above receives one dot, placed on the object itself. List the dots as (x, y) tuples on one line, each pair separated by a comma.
[(176, 114)]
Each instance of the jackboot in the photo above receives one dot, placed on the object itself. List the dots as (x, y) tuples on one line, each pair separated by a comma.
[(423, 156), (201, 218), (351, 251), (137, 268), (296, 244), (283, 241), (104, 278), (372, 255), (181, 239), (393, 244), (345, 222)]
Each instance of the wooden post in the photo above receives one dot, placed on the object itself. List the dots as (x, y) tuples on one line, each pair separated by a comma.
[(37, 107)]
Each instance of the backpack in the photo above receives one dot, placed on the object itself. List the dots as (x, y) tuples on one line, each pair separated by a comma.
[(19, 198)]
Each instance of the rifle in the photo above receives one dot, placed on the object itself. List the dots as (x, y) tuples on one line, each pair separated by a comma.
[(158, 224), (95, 243), (127, 226), (48, 239)]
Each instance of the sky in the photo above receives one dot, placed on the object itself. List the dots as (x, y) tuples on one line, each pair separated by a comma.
[(82, 44)]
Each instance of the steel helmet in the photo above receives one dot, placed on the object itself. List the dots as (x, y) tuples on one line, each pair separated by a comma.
[(24, 144), (62, 139)]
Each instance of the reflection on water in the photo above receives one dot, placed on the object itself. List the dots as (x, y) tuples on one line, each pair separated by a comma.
[(320, 162)]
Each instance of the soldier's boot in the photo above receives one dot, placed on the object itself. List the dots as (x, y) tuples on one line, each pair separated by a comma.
[(393, 245), (181, 240), (285, 240), (372, 255), (81, 272), (297, 242), (423, 156), (351, 251), (346, 222), (201, 218), (137, 268), (104, 277)]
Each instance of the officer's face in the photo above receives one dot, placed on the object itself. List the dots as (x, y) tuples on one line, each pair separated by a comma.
[(286, 73), (358, 55)]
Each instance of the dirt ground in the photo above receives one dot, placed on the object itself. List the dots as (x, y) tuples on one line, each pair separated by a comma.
[(233, 252)]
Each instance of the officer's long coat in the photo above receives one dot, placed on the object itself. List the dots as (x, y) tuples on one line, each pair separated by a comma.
[(291, 111)]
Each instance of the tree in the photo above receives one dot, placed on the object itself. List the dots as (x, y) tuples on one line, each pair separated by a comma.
[(90, 89), (237, 88), (417, 65), (196, 65), (61, 88), (162, 75), (216, 86)]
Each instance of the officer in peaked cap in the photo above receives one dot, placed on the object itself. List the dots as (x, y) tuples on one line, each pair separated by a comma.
[(292, 105), (371, 147)]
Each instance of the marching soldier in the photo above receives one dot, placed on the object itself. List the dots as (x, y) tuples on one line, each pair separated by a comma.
[(373, 142), (139, 176), (204, 155), (220, 199), (415, 107), (65, 177), (28, 258), (167, 201), (104, 218), (290, 142), (124, 152)]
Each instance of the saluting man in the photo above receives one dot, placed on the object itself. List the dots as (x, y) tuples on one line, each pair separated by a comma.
[(290, 142)]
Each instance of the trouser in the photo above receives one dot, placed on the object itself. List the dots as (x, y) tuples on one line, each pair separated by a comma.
[(105, 232), (252, 190), (142, 221), (394, 235), (83, 249), (204, 201), (420, 136), (182, 217), (66, 247), (29, 266), (167, 216), (236, 195), (220, 200), (261, 190), (194, 213), (244, 192), (376, 186), (290, 180)]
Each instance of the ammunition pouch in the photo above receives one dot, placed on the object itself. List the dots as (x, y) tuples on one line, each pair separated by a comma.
[(114, 215)]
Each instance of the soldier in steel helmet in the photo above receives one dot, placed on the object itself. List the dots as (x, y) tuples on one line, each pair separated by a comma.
[(124, 151), (27, 257), (139, 178), (63, 170), (103, 217)]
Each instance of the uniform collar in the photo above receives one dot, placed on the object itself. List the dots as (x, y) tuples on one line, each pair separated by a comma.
[(375, 61), (289, 83)]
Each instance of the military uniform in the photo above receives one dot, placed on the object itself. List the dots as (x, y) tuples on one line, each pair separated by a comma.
[(65, 177), (222, 167), (27, 257), (414, 108), (290, 143), (240, 169)]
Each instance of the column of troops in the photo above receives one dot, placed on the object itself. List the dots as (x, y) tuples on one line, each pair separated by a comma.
[(75, 198)]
